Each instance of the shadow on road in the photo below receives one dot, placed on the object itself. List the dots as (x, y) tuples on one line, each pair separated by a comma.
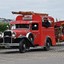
[(57, 48), (12, 51)]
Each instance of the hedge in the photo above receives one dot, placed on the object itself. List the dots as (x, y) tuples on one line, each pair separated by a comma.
[(3, 26)]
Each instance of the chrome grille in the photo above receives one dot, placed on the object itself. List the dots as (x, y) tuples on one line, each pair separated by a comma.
[(7, 33), (7, 39), (7, 36)]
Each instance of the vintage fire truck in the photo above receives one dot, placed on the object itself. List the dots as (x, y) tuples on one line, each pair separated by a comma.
[(59, 30), (29, 30)]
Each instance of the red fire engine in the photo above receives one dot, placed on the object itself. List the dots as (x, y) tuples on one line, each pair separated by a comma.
[(29, 30), (59, 30)]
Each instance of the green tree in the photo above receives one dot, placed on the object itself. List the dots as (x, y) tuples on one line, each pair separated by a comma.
[(3, 26)]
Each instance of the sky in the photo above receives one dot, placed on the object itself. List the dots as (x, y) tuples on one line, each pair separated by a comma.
[(54, 8)]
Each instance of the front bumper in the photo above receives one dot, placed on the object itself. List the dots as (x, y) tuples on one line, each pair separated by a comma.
[(8, 45)]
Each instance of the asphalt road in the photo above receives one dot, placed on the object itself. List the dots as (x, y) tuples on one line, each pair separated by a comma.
[(34, 56)]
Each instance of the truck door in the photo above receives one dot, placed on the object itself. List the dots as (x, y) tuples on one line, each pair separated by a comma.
[(36, 33)]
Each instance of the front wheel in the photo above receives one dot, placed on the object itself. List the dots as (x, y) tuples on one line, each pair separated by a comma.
[(22, 46)]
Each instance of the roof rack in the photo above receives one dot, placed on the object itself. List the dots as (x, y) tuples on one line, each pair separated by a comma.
[(28, 13)]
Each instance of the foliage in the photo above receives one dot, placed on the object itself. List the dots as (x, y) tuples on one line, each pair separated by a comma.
[(3, 26)]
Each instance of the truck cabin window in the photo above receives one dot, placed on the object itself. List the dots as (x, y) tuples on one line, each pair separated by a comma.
[(46, 23), (17, 26), (35, 26)]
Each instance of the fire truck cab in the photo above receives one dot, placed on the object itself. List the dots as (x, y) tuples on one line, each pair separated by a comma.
[(29, 30)]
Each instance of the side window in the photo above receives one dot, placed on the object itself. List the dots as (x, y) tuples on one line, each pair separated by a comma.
[(46, 23), (34, 26)]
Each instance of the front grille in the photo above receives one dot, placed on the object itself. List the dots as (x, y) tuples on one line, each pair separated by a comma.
[(7, 39), (7, 36), (7, 33)]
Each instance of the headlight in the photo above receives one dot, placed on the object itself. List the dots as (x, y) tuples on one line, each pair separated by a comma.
[(13, 34), (1, 34)]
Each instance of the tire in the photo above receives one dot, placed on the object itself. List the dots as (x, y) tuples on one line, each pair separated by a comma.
[(47, 45), (22, 46)]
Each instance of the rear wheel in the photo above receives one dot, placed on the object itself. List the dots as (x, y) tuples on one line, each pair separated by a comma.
[(22, 46), (47, 45)]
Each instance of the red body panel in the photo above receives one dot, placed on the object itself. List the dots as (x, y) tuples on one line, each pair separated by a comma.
[(41, 34)]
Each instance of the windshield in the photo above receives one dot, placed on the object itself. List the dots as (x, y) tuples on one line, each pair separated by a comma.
[(16, 26)]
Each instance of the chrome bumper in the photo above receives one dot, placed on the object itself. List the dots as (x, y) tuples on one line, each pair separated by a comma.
[(7, 45)]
